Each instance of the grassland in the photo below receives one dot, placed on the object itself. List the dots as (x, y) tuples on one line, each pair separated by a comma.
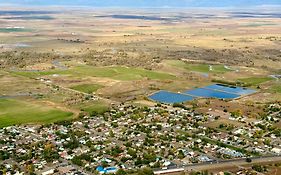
[(35, 74), (276, 88), (87, 88), (254, 81), (14, 112), (121, 73), (258, 24), (203, 68), (96, 107), (8, 30), (116, 72)]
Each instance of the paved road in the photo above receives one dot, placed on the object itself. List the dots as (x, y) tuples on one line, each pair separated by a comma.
[(228, 163), (232, 162)]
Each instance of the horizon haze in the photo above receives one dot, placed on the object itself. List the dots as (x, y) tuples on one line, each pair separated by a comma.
[(144, 3)]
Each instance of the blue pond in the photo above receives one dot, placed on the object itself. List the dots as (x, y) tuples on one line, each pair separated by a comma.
[(208, 93), (231, 89), (170, 97), (212, 91)]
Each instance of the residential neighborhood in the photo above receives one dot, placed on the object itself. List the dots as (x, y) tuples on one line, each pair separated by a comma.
[(127, 138), (140, 87)]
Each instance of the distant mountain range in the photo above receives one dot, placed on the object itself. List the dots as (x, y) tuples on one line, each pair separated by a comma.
[(144, 3)]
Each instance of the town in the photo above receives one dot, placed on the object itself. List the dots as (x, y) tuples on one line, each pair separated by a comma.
[(127, 138), (181, 87)]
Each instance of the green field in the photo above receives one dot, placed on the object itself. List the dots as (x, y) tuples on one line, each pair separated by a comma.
[(121, 73), (276, 88), (204, 68), (21, 112), (87, 88), (97, 107), (8, 30), (116, 72), (254, 81), (258, 24), (35, 74)]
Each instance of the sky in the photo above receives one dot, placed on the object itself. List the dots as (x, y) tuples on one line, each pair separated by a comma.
[(143, 3)]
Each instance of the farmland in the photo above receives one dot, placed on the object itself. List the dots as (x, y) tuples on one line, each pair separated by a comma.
[(254, 81), (126, 89), (103, 58), (21, 112), (118, 73), (204, 68), (87, 88)]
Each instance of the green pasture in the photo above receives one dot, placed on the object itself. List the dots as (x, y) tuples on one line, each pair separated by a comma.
[(254, 81), (204, 68), (115, 72), (8, 30), (14, 112)]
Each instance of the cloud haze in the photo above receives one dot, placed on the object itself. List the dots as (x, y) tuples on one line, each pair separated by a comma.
[(146, 3)]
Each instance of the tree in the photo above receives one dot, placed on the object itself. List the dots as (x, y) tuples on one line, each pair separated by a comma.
[(111, 134), (145, 171), (30, 168), (49, 153), (4, 155), (181, 154), (132, 153), (77, 161), (121, 172), (259, 168), (249, 160)]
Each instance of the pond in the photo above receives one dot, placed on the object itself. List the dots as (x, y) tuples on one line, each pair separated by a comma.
[(231, 89), (219, 91), (170, 97), (208, 93)]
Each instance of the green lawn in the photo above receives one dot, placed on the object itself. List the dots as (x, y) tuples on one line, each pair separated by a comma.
[(94, 107), (254, 81), (204, 68), (87, 88), (116, 72), (20, 112)]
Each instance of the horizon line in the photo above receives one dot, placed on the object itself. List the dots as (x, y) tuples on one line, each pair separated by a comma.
[(142, 7)]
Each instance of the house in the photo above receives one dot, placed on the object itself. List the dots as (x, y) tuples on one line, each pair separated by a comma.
[(167, 171), (51, 171), (276, 151)]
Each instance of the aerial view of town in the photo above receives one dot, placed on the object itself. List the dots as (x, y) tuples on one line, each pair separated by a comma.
[(183, 87)]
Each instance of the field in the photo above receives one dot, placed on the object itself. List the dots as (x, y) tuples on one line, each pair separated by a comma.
[(117, 73), (276, 88), (22, 112), (204, 68), (254, 81), (86, 61), (94, 108), (8, 30), (87, 88)]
